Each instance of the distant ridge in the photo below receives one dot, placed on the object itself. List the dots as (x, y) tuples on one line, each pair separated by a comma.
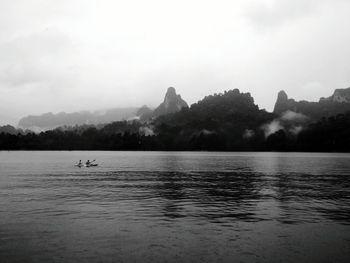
[(339, 102), (48, 121), (339, 95), (228, 121), (144, 113), (172, 103)]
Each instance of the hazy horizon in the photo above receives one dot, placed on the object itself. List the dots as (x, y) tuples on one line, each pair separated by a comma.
[(89, 55), (103, 109)]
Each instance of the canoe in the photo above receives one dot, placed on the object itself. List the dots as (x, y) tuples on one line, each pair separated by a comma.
[(91, 165)]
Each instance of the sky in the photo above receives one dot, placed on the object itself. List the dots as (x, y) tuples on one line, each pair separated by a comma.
[(73, 55)]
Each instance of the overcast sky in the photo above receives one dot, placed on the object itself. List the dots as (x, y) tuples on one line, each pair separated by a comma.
[(72, 55)]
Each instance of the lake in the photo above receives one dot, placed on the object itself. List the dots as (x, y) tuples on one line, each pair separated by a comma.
[(174, 207)]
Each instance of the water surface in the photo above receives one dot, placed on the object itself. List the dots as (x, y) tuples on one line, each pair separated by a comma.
[(174, 207)]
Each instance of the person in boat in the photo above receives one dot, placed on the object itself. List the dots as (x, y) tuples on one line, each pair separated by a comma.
[(88, 162), (80, 163)]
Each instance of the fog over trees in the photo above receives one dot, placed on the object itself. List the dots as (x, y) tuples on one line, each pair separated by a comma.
[(230, 121)]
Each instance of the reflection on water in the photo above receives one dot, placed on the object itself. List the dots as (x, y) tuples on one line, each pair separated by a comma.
[(174, 207)]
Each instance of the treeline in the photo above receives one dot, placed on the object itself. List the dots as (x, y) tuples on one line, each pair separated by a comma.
[(332, 134), (220, 122), (121, 135)]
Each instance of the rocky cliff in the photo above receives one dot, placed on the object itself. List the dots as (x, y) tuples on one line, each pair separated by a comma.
[(172, 103), (339, 95), (339, 102)]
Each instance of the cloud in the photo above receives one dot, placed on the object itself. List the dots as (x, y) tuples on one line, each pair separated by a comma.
[(248, 134), (296, 129), (272, 127), (206, 132), (85, 55), (293, 116), (146, 130), (290, 121), (276, 13), (43, 59)]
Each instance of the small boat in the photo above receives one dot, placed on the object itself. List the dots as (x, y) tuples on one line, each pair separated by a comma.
[(87, 164), (91, 165)]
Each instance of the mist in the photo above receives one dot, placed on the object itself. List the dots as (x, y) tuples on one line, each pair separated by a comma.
[(90, 55), (289, 121)]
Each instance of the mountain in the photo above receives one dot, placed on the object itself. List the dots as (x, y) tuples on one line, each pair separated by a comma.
[(339, 95), (220, 121), (144, 113), (50, 121), (228, 121), (338, 103), (172, 103)]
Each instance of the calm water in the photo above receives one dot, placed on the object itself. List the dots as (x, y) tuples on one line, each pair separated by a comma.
[(174, 207)]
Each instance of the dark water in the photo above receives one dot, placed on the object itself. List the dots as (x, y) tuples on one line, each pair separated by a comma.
[(174, 207)]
